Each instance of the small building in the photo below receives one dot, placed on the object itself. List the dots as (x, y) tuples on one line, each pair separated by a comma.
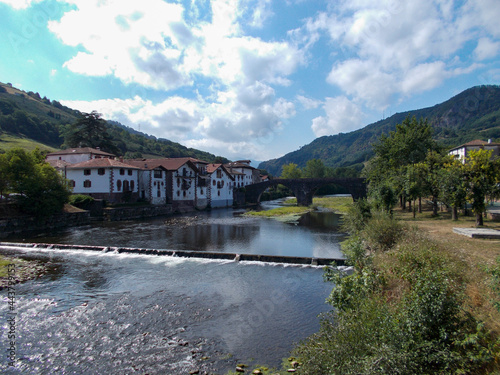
[(243, 173), (462, 152), (178, 183), (105, 178), (221, 184), (78, 155)]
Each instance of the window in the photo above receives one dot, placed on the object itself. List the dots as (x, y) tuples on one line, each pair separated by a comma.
[(178, 193), (130, 172), (87, 183), (218, 193), (118, 185), (201, 191), (126, 186), (184, 193), (100, 171), (157, 173), (132, 185), (178, 182), (213, 182), (219, 173), (86, 172), (122, 171)]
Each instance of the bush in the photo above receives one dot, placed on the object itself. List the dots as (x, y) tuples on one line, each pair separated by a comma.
[(356, 217), (381, 232), (81, 201)]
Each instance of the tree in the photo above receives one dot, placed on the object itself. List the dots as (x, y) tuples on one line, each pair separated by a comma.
[(481, 176), (291, 170), (452, 191), (314, 169), (90, 131), (40, 190)]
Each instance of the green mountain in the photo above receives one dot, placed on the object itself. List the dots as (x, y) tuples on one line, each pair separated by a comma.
[(28, 120), (472, 114)]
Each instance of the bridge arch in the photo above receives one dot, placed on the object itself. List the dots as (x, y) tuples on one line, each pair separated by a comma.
[(304, 188)]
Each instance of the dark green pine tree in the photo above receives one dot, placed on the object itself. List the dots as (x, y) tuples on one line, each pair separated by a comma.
[(90, 131)]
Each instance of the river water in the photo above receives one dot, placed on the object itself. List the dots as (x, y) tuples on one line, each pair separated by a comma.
[(105, 313)]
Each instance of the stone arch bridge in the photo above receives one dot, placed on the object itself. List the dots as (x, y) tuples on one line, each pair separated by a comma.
[(304, 188)]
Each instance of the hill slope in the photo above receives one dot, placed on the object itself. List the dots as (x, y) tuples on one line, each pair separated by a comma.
[(27, 118), (472, 114)]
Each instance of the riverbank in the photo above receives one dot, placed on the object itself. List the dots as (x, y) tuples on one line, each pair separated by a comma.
[(19, 270), (290, 212)]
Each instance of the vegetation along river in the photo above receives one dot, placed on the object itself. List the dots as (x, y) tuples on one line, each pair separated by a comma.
[(105, 313)]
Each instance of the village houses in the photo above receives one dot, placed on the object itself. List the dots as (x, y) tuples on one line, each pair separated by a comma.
[(462, 152), (186, 183)]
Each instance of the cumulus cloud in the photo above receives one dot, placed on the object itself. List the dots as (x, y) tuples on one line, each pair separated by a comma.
[(486, 49), (342, 115)]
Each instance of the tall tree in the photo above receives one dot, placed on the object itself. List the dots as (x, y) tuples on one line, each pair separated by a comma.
[(481, 177), (291, 170), (90, 131), (40, 190), (314, 169)]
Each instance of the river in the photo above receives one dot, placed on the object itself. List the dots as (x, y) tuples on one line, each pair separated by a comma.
[(105, 313)]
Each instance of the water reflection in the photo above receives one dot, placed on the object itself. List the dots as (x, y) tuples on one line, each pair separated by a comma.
[(224, 230)]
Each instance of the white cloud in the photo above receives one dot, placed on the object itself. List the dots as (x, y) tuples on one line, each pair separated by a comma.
[(20, 4), (486, 49), (308, 103), (342, 115)]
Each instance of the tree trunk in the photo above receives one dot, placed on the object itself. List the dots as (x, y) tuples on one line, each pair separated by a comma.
[(434, 207), (419, 205), (454, 213), (479, 219), (414, 209)]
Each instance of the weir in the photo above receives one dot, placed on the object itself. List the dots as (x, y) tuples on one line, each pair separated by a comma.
[(182, 253)]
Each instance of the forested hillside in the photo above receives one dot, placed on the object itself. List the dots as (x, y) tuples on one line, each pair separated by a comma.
[(28, 116), (472, 114)]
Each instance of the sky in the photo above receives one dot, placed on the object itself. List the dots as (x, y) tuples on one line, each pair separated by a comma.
[(248, 79)]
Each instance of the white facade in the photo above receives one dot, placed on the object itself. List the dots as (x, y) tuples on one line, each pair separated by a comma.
[(462, 152), (104, 179), (78, 155), (221, 186)]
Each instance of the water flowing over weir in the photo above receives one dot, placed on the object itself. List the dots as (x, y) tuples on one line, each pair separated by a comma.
[(114, 306)]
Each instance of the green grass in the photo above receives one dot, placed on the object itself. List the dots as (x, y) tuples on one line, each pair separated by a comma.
[(280, 211), (8, 142), (337, 204)]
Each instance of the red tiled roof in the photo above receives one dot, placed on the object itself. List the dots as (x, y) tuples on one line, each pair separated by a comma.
[(476, 143), (58, 164), (211, 168), (101, 163), (81, 150), (171, 164)]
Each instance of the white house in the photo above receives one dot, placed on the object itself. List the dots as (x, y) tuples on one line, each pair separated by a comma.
[(104, 178), (176, 180), (243, 173), (461, 152), (78, 155), (221, 186)]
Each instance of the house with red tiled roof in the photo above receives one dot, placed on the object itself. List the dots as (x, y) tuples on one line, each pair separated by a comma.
[(78, 155), (105, 178), (221, 184), (177, 182), (243, 173), (461, 152)]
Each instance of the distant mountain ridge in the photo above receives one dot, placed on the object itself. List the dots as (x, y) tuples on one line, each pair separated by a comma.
[(28, 115), (474, 113)]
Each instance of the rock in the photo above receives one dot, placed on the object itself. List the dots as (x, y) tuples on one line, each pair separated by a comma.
[(295, 364), (194, 372), (257, 372), (239, 369), (291, 370)]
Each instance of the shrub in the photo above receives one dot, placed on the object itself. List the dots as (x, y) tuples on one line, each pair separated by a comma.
[(382, 231), (356, 217), (81, 201)]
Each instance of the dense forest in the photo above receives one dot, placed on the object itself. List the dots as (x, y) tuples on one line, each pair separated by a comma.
[(28, 115), (472, 114)]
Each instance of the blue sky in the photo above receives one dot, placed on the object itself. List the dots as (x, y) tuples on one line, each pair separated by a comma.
[(251, 78)]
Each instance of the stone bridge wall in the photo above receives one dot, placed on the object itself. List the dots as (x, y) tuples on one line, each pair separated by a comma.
[(304, 188)]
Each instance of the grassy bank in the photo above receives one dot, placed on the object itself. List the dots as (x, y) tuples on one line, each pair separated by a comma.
[(291, 212), (23, 270), (421, 300)]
